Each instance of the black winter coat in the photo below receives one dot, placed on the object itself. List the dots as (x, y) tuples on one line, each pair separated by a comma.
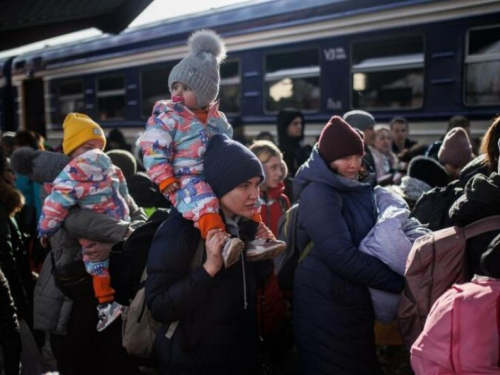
[(217, 333), (10, 340), (433, 207), (481, 199), (14, 258)]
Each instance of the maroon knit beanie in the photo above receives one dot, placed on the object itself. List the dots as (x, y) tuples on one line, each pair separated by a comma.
[(456, 149), (338, 140)]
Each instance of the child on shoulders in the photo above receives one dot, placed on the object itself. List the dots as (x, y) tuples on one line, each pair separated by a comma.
[(176, 138)]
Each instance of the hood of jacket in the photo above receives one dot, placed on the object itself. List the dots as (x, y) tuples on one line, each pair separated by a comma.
[(284, 119), (385, 198), (413, 188), (273, 193), (481, 198), (315, 169), (475, 166)]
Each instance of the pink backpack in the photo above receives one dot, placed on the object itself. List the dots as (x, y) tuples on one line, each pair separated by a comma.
[(436, 262), (461, 334)]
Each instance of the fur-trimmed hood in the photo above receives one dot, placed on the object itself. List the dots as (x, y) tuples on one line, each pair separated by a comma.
[(11, 199)]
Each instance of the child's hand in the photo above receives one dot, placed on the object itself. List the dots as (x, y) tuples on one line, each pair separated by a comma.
[(44, 241), (213, 246), (174, 186), (96, 251)]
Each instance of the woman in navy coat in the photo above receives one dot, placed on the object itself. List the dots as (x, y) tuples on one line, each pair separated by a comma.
[(333, 316), (215, 307)]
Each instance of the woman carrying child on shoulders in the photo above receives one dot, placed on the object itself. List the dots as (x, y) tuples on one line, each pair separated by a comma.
[(214, 306)]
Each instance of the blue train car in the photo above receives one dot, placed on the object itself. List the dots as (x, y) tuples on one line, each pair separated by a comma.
[(426, 60)]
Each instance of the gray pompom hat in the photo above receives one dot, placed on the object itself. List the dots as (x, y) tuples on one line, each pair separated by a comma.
[(200, 69)]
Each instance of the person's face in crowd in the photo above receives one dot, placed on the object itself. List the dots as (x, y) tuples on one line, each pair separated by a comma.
[(369, 136), (348, 167), (399, 132), (383, 141), (180, 89), (273, 171), (242, 199), (8, 175), (87, 146), (294, 130)]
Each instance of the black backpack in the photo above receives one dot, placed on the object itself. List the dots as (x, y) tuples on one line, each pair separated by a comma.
[(433, 207), (286, 263), (129, 258)]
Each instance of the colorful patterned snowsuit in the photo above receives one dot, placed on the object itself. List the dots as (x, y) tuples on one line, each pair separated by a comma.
[(174, 145), (90, 181)]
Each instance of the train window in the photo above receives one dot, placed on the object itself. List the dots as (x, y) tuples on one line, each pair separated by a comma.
[(111, 98), (388, 73), (292, 80), (230, 87), (154, 87), (482, 66), (71, 98)]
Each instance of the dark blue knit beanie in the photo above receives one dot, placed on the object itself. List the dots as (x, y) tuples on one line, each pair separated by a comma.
[(228, 164)]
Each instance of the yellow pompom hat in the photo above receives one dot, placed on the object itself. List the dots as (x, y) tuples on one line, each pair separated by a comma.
[(79, 129)]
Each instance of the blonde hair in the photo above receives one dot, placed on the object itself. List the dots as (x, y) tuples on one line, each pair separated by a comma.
[(381, 127), (489, 145), (265, 150)]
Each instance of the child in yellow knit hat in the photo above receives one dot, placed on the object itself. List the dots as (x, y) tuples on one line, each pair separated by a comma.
[(89, 180)]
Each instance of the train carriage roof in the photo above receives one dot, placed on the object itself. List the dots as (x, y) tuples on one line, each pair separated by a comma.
[(28, 21), (252, 16)]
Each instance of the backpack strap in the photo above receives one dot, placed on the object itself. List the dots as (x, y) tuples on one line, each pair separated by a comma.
[(482, 226), (305, 252), (196, 262), (282, 204)]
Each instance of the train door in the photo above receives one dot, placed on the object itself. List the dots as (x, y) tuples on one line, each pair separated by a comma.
[(34, 105)]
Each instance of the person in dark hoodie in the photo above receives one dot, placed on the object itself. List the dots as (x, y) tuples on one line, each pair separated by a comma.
[(291, 128), (214, 307), (333, 313)]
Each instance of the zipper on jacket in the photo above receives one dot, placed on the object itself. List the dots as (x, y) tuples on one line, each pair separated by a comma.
[(245, 302)]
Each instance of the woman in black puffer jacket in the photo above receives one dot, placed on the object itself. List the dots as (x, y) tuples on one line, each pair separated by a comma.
[(481, 199), (10, 340)]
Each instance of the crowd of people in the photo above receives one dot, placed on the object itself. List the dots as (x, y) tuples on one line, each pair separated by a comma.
[(362, 195)]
